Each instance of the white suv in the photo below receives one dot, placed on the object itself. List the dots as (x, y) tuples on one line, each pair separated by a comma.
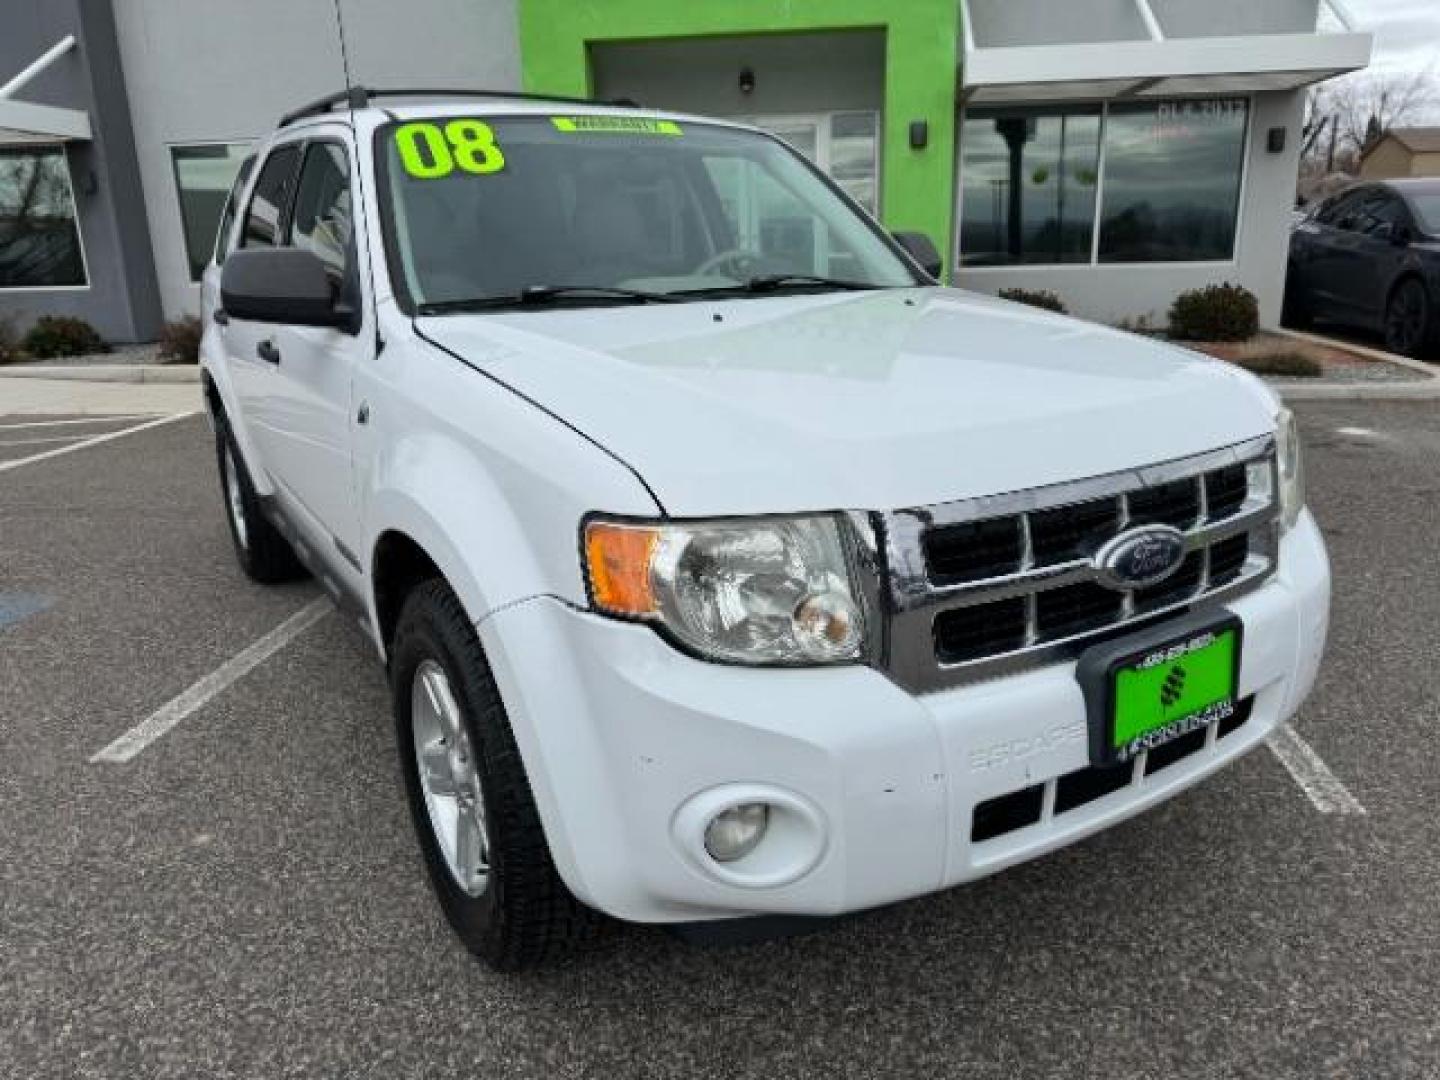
[(723, 563)]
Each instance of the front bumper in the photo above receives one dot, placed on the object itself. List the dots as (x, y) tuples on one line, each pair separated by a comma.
[(628, 743)]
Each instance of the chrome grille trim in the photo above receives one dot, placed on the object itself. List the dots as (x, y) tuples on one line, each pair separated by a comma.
[(915, 600)]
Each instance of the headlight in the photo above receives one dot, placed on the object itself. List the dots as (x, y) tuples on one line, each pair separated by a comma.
[(1291, 467), (761, 591)]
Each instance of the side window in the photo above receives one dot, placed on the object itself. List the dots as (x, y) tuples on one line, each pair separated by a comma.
[(324, 214), (769, 221), (1336, 207), (1384, 214), (232, 207), (267, 204)]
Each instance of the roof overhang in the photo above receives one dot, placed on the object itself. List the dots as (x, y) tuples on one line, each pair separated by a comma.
[(24, 122), (1174, 67)]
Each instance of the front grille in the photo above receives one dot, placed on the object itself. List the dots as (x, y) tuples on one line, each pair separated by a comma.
[(973, 552), (1068, 532), (989, 586)]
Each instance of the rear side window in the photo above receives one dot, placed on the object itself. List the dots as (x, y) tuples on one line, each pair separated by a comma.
[(232, 206), (324, 214), (267, 204)]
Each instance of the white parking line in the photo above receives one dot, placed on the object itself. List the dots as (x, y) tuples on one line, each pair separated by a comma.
[(91, 421), (6, 466), (1360, 433), (1320, 785), (175, 710), (42, 440)]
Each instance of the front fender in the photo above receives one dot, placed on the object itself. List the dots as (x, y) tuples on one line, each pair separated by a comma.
[(498, 532)]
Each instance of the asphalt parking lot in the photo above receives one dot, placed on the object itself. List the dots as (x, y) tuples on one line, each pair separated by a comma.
[(244, 897)]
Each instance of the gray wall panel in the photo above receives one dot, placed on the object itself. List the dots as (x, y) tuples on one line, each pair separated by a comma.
[(225, 71)]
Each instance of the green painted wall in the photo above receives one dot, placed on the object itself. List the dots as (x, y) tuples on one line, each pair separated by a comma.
[(920, 71)]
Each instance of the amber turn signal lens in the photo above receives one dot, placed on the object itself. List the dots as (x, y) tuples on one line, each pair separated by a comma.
[(617, 558)]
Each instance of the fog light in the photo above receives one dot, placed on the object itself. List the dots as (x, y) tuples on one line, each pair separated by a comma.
[(732, 834)]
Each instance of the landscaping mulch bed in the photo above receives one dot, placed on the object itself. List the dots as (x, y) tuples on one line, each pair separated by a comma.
[(1276, 356), (120, 354)]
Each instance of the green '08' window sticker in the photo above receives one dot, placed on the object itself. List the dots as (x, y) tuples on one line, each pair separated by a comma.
[(430, 151)]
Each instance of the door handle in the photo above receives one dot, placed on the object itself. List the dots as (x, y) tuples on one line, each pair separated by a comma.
[(267, 351), (221, 317)]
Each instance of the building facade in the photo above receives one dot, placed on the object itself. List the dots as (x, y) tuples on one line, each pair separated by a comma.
[(1113, 151)]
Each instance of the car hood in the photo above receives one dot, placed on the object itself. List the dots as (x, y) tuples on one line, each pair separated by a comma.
[(858, 400)]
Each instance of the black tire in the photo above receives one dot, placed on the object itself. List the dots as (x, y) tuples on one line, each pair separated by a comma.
[(1410, 320), (263, 553), (525, 916)]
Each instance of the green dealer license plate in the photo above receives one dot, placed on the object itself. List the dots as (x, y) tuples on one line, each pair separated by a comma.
[(1143, 698)]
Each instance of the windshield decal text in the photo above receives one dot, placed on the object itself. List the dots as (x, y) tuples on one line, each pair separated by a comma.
[(614, 125)]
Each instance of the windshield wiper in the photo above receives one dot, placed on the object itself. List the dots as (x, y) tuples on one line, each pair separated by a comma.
[(539, 295), (768, 283)]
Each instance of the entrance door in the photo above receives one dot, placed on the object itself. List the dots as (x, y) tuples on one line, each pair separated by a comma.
[(845, 145)]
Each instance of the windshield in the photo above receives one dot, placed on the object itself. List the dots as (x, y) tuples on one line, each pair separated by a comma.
[(484, 209), (1427, 208)]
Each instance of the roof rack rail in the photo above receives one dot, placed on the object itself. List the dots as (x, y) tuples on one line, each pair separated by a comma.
[(358, 97)]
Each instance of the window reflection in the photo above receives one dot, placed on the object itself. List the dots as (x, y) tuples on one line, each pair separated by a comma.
[(203, 175), (39, 240), (1172, 180), (1028, 182), (1171, 184), (854, 155)]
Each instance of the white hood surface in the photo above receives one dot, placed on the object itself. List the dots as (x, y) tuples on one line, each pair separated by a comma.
[(858, 400)]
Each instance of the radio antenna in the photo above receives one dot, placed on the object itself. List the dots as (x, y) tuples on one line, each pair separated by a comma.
[(344, 52)]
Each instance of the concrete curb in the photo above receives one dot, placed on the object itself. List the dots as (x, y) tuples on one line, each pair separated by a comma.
[(1359, 391), (105, 373), (1430, 371), (1424, 387)]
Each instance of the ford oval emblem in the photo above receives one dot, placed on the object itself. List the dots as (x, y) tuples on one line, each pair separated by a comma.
[(1141, 557)]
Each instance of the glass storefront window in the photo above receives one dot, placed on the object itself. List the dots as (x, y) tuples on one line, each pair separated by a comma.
[(1172, 180), (1028, 180), (203, 177), (1031, 177), (39, 238)]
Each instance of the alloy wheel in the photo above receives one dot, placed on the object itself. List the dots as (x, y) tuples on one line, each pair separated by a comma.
[(449, 779), (235, 499), (1405, 318)]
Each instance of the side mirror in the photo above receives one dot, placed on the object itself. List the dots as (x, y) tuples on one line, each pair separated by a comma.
[(1401, 236), (922, 249), (282, 285)]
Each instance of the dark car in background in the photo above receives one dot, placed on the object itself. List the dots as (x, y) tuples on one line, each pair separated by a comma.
[(1370, 257)]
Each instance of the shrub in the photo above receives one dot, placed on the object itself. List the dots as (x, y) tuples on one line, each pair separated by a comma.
[(1215, 313), (1281, 363), (1138, 325), (9, 341), (1039, 298), (60, 335), (180, 340)]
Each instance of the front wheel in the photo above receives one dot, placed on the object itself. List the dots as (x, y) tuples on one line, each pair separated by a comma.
[(263, 553), (1408, 318), (470, 799)]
